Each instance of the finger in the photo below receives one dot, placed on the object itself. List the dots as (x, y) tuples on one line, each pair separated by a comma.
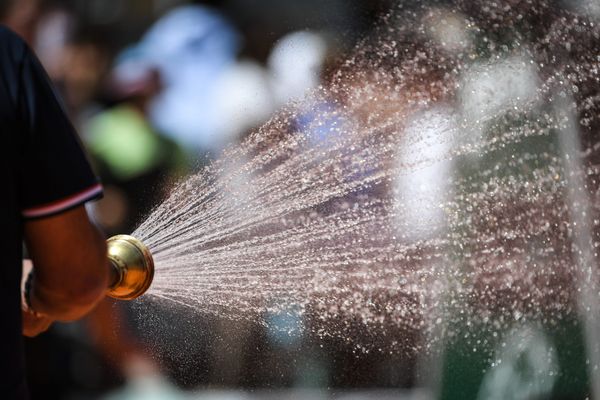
[(33, 325), (34, 330)]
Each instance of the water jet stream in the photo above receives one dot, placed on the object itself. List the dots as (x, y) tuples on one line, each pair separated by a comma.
[(314, 217)]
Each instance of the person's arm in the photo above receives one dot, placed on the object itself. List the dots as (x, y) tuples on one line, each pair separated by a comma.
[(53, 181), (70, 265)]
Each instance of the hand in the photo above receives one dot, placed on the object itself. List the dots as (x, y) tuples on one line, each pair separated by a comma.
[(33, 322)]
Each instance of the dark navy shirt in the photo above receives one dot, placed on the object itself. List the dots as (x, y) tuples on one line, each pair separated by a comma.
[(43, 171)]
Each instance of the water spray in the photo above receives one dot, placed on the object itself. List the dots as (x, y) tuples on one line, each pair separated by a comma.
[(132, 267)]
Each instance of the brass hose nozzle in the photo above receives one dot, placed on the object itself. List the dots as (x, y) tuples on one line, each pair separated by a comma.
[(132, 267)]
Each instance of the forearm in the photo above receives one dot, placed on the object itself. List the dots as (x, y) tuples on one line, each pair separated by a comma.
[(68, 288), (66, 303)]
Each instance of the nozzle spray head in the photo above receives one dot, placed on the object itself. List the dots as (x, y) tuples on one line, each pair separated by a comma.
[(132, 267)]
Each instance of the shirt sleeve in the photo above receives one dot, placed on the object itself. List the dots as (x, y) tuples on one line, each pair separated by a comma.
[(55, 173)]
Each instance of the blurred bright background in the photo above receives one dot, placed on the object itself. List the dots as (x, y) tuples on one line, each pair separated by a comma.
[(157, 88)]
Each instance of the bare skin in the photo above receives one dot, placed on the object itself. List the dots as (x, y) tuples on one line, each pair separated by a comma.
[(71, 269)]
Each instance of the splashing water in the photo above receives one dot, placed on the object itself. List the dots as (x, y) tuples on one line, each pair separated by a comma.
[(447, 173)]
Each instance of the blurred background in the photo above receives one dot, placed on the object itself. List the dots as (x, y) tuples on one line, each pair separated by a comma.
[(157, 88)]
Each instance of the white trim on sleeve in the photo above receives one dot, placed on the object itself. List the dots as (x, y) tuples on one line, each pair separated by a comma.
[(63, 204)]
